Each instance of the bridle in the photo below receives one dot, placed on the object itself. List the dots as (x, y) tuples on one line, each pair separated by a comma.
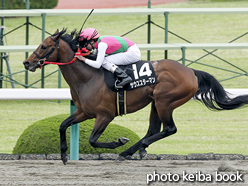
[(42, 60)]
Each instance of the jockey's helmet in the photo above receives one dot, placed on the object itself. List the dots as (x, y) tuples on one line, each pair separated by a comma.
[(88, 34)]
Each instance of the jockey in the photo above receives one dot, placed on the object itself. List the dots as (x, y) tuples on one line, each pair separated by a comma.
[(119, 50)]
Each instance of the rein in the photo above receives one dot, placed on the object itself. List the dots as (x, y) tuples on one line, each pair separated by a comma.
[(43, 60), (57, 63)]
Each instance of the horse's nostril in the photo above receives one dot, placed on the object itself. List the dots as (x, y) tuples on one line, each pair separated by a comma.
[(26, 64)]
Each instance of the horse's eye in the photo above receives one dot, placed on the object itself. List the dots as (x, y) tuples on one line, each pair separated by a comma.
[(43, 47)]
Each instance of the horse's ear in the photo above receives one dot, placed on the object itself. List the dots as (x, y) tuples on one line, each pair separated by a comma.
[(57, 31), (56, 34)]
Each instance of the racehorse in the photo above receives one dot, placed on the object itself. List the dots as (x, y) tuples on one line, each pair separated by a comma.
[(176, 85)]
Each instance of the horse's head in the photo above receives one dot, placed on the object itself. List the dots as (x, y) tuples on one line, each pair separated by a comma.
[(47, 50)]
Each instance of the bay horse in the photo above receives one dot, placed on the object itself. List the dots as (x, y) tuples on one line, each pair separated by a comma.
[(176, 85)]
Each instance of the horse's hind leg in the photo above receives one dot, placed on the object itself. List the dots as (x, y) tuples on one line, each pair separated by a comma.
[(169, 128), (101, 123), (154, 128), (165, 105)]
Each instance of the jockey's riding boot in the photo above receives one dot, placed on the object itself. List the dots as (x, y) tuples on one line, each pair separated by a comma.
[(122, 76)]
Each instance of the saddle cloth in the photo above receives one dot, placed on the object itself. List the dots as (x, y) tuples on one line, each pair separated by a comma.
[(141, 72)]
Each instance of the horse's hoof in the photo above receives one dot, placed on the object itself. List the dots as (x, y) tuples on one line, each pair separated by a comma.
[(120, 158), (123, 140), (142, 153), (65, 160)]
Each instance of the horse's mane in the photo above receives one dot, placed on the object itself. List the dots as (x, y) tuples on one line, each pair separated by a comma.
[(71, 39)]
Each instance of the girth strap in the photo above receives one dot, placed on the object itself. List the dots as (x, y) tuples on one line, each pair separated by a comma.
[(121, 102)]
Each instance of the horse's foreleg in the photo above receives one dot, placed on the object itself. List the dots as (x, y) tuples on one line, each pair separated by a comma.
[(101, 123), (76, 117), (154, 127)]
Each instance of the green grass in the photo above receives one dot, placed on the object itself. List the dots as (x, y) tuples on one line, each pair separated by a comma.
[(199, 130), (16, 116)]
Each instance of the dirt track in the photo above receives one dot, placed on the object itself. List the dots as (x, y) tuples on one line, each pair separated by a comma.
[(103, 172)]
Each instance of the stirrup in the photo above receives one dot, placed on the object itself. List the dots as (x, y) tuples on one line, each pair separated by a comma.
[(128, 80), (117, 86)]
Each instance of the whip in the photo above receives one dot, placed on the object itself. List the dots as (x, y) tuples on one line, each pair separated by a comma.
[(86, 20)]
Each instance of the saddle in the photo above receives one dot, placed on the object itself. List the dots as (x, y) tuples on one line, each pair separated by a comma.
[(142, 74)]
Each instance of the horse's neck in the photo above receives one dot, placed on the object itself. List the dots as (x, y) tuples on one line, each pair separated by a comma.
[(78, 73)]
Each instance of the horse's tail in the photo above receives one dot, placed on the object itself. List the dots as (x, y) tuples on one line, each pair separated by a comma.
[(212, 94)]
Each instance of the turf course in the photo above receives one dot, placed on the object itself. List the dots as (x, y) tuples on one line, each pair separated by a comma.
[(199, 130)]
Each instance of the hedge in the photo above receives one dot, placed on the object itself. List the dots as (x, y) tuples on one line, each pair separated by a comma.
[(34, 4), (43, 137)]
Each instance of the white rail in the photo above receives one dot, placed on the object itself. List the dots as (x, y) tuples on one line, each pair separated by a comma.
[(120, 11), (35, 94), (64, 94)]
